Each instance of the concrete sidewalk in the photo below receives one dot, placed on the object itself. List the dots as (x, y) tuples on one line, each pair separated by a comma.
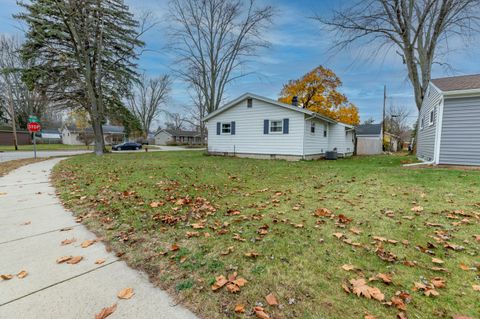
[(31, 219)]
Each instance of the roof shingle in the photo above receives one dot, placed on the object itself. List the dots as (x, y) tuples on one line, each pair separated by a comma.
[(456, 83)]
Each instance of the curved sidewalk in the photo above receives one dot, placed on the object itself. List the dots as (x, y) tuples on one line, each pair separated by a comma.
[(32, 225)]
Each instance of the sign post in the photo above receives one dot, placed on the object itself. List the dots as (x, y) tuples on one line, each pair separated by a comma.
[(34, 127)]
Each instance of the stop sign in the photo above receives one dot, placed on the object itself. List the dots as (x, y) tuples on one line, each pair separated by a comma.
[(33, 127)]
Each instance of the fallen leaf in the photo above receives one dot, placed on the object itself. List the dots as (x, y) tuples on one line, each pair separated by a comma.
[(386, 278), (271, 300), (476, 287), (74, 260), (63, 259), (368, 316), (356, 231), (338, 235), (26, 223), (105, 312), (239, 308), (348, 267), (233, 288), (67, 241), (174, 247), (417, 209), (360, 288), (240, 282), (228, 251), (252, 254), (438, 282), (126, 293), (22, 274), (87, 243), (398, 303), (220, 281), (437, 261), (66, 229), (464, 267), (6, 276), (260, 313)]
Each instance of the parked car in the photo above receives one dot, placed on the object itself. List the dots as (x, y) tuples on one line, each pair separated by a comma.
[(127, 146)]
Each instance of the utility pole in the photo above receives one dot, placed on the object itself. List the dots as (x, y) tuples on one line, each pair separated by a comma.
[(383, 117), (12, 113)]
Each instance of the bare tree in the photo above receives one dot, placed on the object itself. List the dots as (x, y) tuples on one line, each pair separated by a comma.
[(396, 121), (416, 28), (147, 98), (175, 121), (21, 100), (370, 120), (213, 38)]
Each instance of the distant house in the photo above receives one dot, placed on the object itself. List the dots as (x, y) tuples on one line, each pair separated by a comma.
[(255, 126), (111, 134), (50, 136), (169, 136), (369, 139), (449, 125)]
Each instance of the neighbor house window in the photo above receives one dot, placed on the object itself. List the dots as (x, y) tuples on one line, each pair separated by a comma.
[(422, 122), (324, 133), (312, 127), (276, 126), (249, 103), (226, 128), (432, 117)]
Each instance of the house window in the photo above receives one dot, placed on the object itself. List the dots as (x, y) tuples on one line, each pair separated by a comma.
[(432, 117), (249, 103), (422, 122), (276, 126), (226, 128), (312, 127), (324, 133)]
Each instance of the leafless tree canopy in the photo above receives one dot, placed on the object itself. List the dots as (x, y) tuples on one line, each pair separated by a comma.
[(396, 121), (13, 90), (417, 28), (213, 38), (148, 95), (176, 121)]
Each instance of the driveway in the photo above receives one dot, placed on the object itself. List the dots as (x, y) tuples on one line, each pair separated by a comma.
[(33, 224)]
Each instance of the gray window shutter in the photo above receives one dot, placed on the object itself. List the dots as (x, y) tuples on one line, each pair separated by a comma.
[(218, 128), (232, 128), (285, 126), (265, 126)]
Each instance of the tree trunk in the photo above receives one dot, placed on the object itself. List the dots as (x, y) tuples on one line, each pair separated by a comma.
[(98, 134)]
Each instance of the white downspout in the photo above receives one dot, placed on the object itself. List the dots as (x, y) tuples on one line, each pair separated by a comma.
[(438, 132)]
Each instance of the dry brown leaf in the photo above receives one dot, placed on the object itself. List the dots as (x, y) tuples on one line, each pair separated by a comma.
[(126, 293), (99, 261), (437, 261), (239, 308), (355, 230), (63, 259), (67, 241), (401, 315), (360, 288), (240, 282), (6, 276), (260, 313), (220, 281), (74, 260), (105, 312), (233, 288), (398, 303), (338, 235), (271, 300), (476, 287), (368, 316), (348, 267), (22, 274), (438, 282), (386, 278), (174, 247), (87, 243), (417, 209), (252, 254), (464, 267)]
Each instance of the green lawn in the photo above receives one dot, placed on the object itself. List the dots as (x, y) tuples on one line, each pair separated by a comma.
[(44, 147), (186, 218)]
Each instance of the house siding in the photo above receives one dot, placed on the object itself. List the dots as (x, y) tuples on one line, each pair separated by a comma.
[(249, 137), (163, 138), (340, 139), (315, 143), (426, 136), (460, 137)]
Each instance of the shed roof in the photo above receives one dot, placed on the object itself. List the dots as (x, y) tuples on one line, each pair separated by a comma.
[(458, 83), (368, 129)]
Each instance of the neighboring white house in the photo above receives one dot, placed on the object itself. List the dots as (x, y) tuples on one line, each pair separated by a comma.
[(168, 136), (255, 126), (449, 125), (111, 134)]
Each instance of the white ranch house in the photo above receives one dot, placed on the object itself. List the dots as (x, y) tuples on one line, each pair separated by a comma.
[(449, 124), (255, 126)]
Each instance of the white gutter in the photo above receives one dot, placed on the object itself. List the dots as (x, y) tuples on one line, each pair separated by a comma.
[(461, 92), (419, 164)]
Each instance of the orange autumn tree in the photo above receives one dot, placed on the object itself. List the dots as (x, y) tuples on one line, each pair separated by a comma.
[(317, 91)]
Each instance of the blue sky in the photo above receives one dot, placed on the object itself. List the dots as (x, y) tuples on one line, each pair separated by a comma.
[(297, 46)]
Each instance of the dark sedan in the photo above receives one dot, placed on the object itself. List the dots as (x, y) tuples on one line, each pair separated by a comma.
[(127, 146)]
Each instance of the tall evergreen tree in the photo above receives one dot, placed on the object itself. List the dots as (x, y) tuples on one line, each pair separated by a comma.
[(85, 49)]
